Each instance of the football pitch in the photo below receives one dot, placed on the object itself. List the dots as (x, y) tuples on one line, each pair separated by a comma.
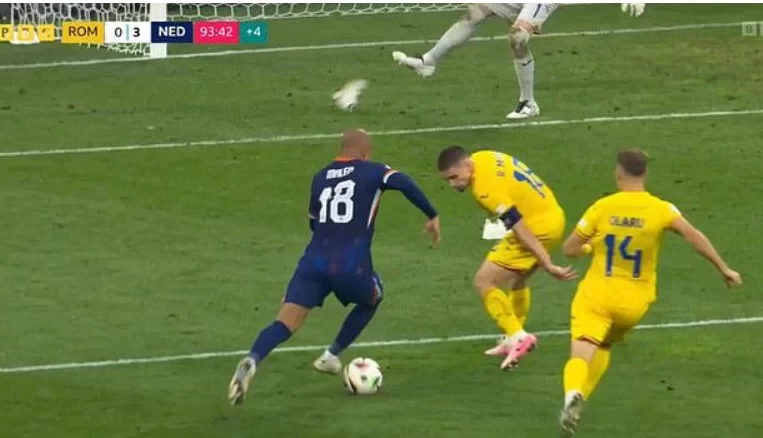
[(152, 214)]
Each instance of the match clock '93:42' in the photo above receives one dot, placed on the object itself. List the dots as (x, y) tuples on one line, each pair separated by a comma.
[(215, 32)]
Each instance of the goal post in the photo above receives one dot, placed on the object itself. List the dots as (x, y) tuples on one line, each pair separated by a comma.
[(57, 13), (157, 12)]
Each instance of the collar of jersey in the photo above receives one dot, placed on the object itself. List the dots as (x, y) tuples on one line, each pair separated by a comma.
[(345, 159)]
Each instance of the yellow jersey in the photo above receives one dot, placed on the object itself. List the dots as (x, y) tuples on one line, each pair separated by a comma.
[(501, 181), (625, 231)]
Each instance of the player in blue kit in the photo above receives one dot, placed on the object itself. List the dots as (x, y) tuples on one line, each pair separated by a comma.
[(344, 200)]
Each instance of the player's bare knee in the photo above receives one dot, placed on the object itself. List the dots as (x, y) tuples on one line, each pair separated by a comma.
[(483, 282), (477, 13), (293, 316), (519, 38)]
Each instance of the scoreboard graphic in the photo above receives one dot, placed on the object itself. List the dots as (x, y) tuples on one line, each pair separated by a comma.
[(133, 32)]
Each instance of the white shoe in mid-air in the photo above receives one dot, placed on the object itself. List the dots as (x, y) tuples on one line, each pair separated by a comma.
[(525, 109), (416, 63), (239, 384), (328, 363)]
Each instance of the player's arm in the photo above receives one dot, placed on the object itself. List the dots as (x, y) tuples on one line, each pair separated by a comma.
[(576, 246), (577, 243), (498, 203), (512, 220), (401, 182), (702, 245)]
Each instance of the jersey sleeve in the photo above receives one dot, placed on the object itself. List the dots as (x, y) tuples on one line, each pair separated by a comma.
[(394, 180), (586, 226), (490, 197), (387, 173), (671, 213)]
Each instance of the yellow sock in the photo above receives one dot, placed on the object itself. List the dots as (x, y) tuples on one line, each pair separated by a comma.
[(520, 302), (596, 369), (499, 307), (575, 375)]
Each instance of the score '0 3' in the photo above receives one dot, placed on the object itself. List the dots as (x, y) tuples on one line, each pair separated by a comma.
[(127, 32)]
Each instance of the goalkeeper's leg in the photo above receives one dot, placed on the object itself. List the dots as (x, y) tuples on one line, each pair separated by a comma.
[(529, 22), (456, 35)]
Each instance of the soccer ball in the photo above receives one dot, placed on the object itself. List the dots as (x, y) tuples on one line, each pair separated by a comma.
[(347, 98), (362, 376)]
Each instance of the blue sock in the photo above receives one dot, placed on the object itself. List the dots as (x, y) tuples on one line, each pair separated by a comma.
[(269, 338), (355, 322)]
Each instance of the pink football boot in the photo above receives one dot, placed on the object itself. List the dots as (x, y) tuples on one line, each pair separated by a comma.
[(519, 350)]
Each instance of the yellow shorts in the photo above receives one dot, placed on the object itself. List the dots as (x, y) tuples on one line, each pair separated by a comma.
[(509, 253), (602, 322)]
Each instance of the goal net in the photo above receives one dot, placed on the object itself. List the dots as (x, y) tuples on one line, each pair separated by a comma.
[(58, 13)]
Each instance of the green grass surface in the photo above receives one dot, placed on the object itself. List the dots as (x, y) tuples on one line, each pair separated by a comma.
[(160, 252)]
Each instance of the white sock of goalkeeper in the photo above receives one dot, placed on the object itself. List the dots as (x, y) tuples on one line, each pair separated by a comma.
[(525, 68), (458, 34)]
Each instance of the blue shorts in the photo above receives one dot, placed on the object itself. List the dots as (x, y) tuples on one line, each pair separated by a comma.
[(309, 288)]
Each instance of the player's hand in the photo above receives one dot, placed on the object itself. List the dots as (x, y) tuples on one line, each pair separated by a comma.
[(633, 9), (731, 277), (564, 273), (432, 228)]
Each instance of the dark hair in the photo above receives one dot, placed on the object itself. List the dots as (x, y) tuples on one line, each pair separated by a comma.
[(450, 156), (633, 161)]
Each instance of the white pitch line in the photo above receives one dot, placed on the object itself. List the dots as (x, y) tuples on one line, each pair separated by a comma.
[(360, 45), (373, 344), (434, 129)]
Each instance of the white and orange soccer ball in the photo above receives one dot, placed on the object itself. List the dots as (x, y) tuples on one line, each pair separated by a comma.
[(362, 376)]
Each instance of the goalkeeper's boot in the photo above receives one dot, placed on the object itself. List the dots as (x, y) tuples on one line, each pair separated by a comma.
[(328, 363), (519, 350), (239, 384), (525, 109), (415, 63), (570, 416)]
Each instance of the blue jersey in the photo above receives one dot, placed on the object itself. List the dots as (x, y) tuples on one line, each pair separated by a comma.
[(344, 200)]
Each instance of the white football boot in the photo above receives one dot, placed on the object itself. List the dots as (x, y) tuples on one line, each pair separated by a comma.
[(239, 384), (570, 416), (524, 110), (328, 363), (416, 63)]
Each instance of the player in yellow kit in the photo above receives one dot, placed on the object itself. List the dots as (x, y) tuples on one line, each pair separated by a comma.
[(506, 188), (624, 231)]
